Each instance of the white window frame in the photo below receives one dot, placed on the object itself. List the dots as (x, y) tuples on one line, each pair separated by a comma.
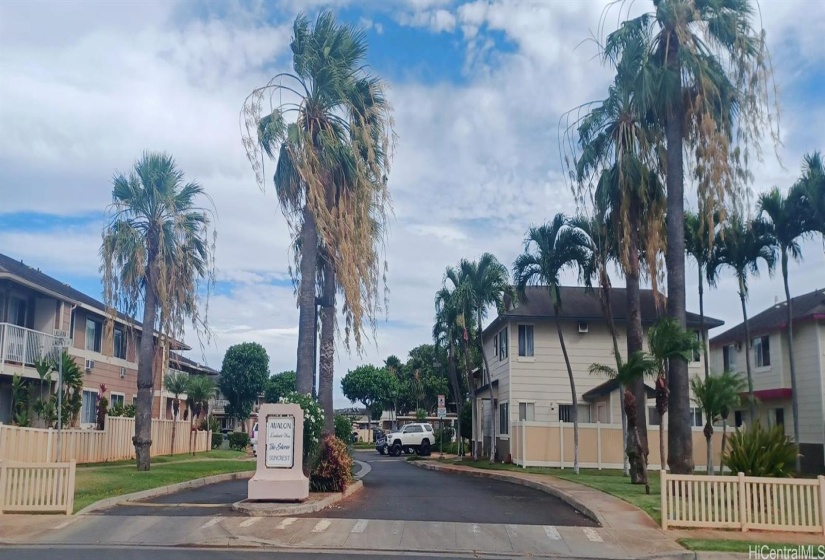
[(123, 335), (528, 405), (653, 416), (504, 419), (503, 342), (697, 352), (96, 393), (759, 352), (122, 398), (529, 342), (732, 358), (694, 410), (97, 340)]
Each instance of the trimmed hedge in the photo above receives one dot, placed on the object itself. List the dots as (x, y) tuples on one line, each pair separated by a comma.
[(238, 441)]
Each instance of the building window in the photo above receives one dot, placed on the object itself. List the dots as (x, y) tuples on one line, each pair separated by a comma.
[(88, 414), (502, 344), (116, 400), (527, 412), (504, 419), (653, 416), (566, 413), (119, 343), (737, 418), (729, 358), (71, 324), (94, 330), (495, 345), (762, 351), (696, 416), (697, 352), (780, 416), (525, 340)]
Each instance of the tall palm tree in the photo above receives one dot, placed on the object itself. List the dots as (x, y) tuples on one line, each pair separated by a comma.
[(716, 395), (330, 179), (175, 383), (667, 339), (638, 366), (155, 252), (702, 75), (740, 245), (446, 333), (698, 238), (548, 250), (199, 390), (787, 226), (487, 284), (812, 184)]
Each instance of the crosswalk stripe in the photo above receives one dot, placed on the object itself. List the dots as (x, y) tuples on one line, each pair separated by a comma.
[(552, 533), (286, 522), (213, 521), (321, 526), (592, 534), (250, 521), (360, 526)]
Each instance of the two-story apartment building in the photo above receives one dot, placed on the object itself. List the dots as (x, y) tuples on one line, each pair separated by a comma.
[(770, 369), (36, 309), (528, 375)]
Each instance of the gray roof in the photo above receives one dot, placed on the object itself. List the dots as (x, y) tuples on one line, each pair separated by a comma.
[(582, 304), (805, 307), (608, 387)]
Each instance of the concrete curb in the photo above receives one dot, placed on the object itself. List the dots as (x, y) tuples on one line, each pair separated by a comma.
[(163, 490), (365, 469), (270, 509), (546, 488)]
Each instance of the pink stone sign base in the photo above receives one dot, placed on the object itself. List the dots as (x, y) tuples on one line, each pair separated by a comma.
[(281, 484)]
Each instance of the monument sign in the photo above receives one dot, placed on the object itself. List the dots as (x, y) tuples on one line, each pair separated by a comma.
[(279, 476)]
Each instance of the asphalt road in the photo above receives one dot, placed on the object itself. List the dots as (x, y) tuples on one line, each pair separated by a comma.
[(394, 490)]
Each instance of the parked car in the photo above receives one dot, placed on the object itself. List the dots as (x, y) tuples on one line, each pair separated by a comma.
[(411, 438), (380, 439), (355, 437), (253, 439)]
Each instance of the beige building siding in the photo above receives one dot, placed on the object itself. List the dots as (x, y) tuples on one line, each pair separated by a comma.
[(499, 371)]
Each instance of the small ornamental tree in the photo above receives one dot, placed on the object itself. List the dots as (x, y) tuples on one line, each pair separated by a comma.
[(313, 426), (244, 374)]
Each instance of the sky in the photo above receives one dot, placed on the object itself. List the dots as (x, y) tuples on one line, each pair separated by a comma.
[(480, 92)]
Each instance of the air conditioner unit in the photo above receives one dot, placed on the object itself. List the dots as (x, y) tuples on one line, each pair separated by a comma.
[(583, 327), (122, 372), (90, 365)]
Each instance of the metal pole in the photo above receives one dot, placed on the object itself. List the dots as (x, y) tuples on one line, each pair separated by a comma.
[(441, 455)]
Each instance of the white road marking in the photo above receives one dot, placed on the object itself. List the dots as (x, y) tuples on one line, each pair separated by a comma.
[(321, 526), (475, 529), (249, 522), (213, 521), (66, 523), (396, 527), (360, 526), (552, 533), (286, 522), (592, 534)]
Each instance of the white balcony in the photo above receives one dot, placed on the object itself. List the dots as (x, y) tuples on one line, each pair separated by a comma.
[(22, 347)]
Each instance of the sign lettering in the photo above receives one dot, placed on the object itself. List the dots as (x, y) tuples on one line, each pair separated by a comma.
[(280, 439)]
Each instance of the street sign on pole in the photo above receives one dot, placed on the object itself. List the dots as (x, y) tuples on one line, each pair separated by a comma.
[(441, 401), (442, 412)]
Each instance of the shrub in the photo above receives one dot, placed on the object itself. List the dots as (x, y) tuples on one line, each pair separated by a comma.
[(210, 424), (757, 451), (102, 408), (445, 434), (238, 440), (116, 410), (420, 415), (331, 472), (343, 428), (217, 440), (129, 411), (313, 424)]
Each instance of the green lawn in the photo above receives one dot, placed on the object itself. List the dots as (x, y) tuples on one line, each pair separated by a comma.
[(364, 445), (164, 459), (611, 482), (93, 484), (734, 546)]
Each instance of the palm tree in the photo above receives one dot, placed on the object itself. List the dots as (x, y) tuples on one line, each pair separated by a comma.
[(155, 251), (330, 179), (638, 366), (549, 249), (787, 226), (733, 383), (175, 383), (702, 76), (698, 239), (716, 395), (446, 333), (667, 339), (487, 284), (741, 245), (812, 184), (199, 390)]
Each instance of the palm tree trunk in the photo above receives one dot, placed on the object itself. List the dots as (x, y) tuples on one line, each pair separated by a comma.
[(142, 439), (662, 464), (572, 392), (709, 439), (635, 343), (476, 444), (486, 377), (175, 405), (680, 439), (724, 442), (327, 352), (794, 395), (306, 304), (752, 404), (607, 309), (459, 399), (702, 330)]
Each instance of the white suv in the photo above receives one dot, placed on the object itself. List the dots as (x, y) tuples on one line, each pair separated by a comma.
[(412, 437)]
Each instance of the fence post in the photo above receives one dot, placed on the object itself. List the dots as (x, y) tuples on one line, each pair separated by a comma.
[(70, 485), (49, 446), (2, 486), (599, 443), (821, 480), (561, 444), (663, 489), (523, 445), (743, 510)]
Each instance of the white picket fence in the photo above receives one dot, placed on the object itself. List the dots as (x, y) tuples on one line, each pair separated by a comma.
[(113, 443), (37, 487), (743, 502)]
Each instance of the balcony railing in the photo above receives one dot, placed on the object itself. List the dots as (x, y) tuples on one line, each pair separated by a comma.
[(23, 346)]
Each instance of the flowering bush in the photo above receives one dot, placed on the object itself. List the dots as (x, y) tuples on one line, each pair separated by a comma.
[(313, 424), (334, 467)]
